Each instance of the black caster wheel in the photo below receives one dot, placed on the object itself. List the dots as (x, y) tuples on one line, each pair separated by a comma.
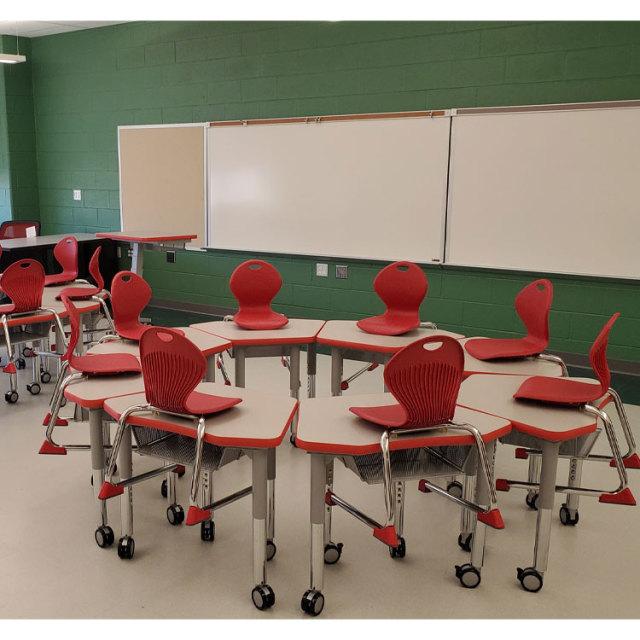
[(207, 530), (565, 516), (271, 549), (454, 488), (45, 377), (332, 552), (104, 536), (181, 472), (26, 352), (126, 547), (464, 542), (11, 397), (175, 514), (163, 488), (532, 500), (20, 363), (263, 597), (530, 579), (33, 388), (468, 575), (312, 602), (399, 551)]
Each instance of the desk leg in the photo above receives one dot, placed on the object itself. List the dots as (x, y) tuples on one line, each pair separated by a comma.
[(313, 600), (96, 439), (210, 375), (239, 357), (336, 371), (294, 372), (531, 578), (311, 369), (137, 255), (271, 502), (262, 594), (125, 544)]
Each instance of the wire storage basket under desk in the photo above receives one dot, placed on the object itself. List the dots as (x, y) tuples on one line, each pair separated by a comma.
[(181, 449), (407, 464), (576, 447)]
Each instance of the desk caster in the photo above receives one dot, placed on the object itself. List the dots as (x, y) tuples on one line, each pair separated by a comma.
[(566, 518), (263, 597), (175, 514), (163, 489), (399, 551), (465, 542), (271, 549), (126, 547), (532, 500), (11, 397), (332, 552), (20, 363), (33, 388), (530, 579), (208, 530), (312, 602), (468, 575), (104, 536), (454, 488), (45, 376)]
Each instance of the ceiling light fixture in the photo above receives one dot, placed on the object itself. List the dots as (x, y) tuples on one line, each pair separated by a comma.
[(13, 58)]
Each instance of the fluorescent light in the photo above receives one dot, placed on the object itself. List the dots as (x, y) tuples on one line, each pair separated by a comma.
[(10, 58)]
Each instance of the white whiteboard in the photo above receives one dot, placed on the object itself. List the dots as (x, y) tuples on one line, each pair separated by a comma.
[(370, 188), (547, 191)]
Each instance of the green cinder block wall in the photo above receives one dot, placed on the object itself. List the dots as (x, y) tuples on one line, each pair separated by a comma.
[(87, 83)]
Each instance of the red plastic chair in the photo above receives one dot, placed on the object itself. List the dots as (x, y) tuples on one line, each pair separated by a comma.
[(66, 253), (402, 286), (82, 367), (18, 228), (571, 392), (532, 305), (254, 284), (130, 294), (425, 379)]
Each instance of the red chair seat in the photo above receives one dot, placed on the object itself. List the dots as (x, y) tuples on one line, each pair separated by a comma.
[(135, 332), (389, 324), (558, 390), (202, 404), (78, 293), (394, 415), (494, 348), (260, 319), (7, 308), (106, 364), (59, 278)]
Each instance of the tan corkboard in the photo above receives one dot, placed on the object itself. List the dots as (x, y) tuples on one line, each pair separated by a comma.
[(162, 180)]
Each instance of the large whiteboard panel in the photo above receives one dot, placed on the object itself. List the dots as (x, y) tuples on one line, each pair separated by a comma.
[(163, 180), (359, 188), (550, 191)]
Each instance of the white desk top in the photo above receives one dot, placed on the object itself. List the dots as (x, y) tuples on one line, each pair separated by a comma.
[(296, 331), (42, 241), (92, 392), (346, 334), (510, 366), (494, 394), (260, 421), (326, 425)]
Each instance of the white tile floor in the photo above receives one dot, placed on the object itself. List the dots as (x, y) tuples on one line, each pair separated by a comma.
[(51, 568)]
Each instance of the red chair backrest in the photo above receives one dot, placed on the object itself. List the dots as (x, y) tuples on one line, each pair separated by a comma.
[(172, 367), (402, 287), (94, 269), (425, 379), (18, 228), (255, 284), (598, 354), (130, 294), (23, 282), (532, 305), (66, 253)]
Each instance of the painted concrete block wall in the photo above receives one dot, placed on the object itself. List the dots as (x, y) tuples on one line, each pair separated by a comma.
[(87, 83)]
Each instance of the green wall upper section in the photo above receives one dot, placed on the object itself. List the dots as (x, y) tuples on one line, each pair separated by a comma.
[(86, 83)]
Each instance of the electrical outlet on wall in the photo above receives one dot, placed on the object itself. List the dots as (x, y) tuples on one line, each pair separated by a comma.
[(342, 271), (322, 270), (77, 194)]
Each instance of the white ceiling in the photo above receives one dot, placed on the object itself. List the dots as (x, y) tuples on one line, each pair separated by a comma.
[(36, 28)]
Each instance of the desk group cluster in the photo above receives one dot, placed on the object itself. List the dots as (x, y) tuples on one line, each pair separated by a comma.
[(447, 401)]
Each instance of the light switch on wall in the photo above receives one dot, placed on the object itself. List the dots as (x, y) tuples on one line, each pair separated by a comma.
[(77, 194)]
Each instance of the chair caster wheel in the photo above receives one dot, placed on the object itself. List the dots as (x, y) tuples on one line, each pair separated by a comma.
[(532, 500), (45, 377), (271, 549), (399, 551), (465, 543), (263, 597), (566, 518), (207, 530), (20, 363), (530, 579), (33, 388), (332, 552), (26, 352), (11, 397), (468, 575), (312, 602), (175, 514), (163, 488), (454, 488), (126, 547), (104, 536)]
